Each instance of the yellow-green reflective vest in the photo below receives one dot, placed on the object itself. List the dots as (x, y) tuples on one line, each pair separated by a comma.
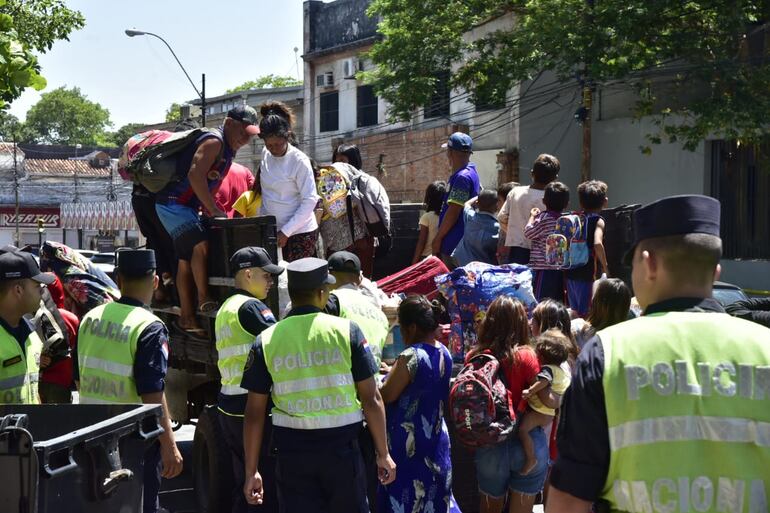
[(372, 321), (233, 344), (309, 360), (19, 370), (107, 341), (688, 408)]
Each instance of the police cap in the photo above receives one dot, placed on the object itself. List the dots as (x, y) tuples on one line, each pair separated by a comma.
[(675, 215), (19, 265), (253, 256), (344, 262), (136, 263), (309, 274)]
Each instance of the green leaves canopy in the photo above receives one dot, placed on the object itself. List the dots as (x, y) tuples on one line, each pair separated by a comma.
[(265, 82), (66, 116), (714, 53)]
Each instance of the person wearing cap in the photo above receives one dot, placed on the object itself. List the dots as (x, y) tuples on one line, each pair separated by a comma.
[(122, 358), (668, 412), (347, 300), (240, 319), (201, 169), (462, 186), (20, 346), (287, 183), (319, 372)]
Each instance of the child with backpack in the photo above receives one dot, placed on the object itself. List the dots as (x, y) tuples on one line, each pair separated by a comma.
[(552, 348), (481, 230), (548, 281), (503, 346), (434, 200), (580, 280)]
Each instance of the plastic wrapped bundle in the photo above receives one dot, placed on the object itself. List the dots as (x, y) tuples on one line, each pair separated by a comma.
[(470, 289), (86, 285)]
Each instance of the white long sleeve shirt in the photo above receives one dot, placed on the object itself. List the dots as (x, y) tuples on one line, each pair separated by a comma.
[(289, 191)]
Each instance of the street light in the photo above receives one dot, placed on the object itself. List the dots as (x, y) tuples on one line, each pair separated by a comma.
[(202, 93)]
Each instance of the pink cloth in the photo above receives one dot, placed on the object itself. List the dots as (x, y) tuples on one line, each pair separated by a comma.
[(237, 181)]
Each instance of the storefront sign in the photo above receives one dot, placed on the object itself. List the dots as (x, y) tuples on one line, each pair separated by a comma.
[(28, 217)]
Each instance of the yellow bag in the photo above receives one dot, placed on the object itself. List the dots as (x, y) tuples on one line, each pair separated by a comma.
[(248, 204)]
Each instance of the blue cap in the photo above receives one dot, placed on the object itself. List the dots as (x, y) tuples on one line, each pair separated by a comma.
[(675, 215), (309, 274), (459, 141)]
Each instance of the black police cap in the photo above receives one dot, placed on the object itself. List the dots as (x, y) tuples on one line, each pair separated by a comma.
[(309, 274), (344, 262), (253, 256), (675, 215), (136, 262)]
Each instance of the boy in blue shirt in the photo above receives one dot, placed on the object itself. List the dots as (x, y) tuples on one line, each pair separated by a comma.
[(481, 230)]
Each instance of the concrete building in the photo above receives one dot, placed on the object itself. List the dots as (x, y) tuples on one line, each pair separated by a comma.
[(217, 108), (50, 178)]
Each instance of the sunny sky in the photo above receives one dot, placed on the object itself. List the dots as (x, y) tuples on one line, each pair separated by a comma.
[(136, 79)]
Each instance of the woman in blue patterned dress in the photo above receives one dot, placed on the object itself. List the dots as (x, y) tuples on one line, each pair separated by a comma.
[(415, 393)]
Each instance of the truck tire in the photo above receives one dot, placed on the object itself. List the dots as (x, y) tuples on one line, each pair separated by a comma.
[(212, 467)]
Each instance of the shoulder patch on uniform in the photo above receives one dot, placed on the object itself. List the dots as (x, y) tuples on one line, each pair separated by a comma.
[(249, 360), (12, 361), (267, 314)]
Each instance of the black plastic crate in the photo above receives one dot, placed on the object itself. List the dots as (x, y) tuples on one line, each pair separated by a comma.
[(226, 236), (84, 458), (404, 228)]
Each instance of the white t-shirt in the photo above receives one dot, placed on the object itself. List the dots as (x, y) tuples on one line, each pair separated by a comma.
[(519, 203), (289, 191), (430, 221)]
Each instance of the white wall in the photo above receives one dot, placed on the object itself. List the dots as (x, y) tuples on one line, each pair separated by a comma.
[(633, 177)]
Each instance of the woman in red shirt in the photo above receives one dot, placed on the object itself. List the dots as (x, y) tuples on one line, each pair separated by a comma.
[(504, 332)]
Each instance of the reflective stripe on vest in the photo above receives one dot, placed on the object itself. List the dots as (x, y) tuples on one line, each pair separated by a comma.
[(356, 307), (107, 342), (309, 360), (233, 344), (688, 411), (19, 370)]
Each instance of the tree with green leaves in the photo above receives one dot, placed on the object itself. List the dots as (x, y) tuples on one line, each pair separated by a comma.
[(67, 116), (699, 67), (174, 113), (40, 23), (124, 133), (266, 82)]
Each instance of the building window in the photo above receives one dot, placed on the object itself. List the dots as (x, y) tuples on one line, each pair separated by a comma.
[(330, 111), (367, 106), (439, 102), (740, 180)]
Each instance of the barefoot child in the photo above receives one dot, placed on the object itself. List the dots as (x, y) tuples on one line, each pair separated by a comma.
[(552, 349)]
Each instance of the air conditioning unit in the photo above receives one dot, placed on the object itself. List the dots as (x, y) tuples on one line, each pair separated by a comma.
[(350, 67), (325, 79)]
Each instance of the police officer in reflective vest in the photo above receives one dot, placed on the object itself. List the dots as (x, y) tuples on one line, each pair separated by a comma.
[(347, 301), (319, 371), (240, 319), (669, 412), (122, 357), (20, 346)]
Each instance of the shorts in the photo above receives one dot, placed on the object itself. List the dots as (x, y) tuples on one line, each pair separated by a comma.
[(497, 467), (184, 226), (579, 296), (548, 284)]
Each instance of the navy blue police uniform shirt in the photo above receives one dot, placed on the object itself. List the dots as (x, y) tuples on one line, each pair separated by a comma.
[(151, 359), (583, 436), (255, 317), (256, 378), (20, 332)]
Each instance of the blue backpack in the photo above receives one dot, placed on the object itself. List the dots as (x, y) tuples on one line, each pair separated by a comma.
[(567, 246)]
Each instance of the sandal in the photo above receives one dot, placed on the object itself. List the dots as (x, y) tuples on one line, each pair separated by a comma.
[(208, 307)]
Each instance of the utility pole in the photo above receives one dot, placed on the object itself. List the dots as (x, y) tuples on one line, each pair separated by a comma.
[(203, 99), (585, 168), (16, 189)]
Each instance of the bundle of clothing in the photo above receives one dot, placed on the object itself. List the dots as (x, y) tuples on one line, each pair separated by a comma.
[(470, 289), (86, 285)]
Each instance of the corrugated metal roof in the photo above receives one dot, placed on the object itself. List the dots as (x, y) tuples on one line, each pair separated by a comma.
[(61, 167)]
